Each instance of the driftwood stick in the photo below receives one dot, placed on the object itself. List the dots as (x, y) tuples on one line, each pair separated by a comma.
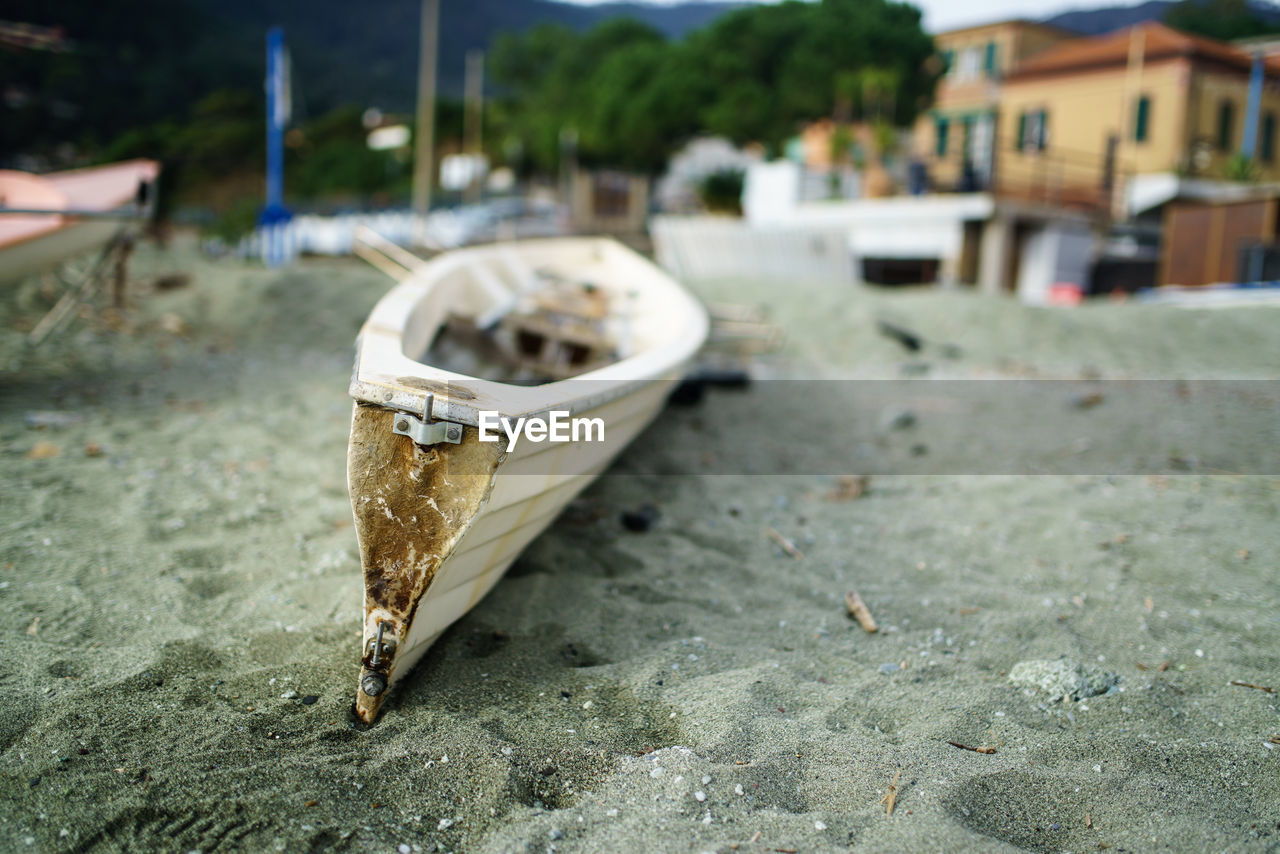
[(891, 797), (974, 749), (787, 546), (860, 612), (1237, 682)]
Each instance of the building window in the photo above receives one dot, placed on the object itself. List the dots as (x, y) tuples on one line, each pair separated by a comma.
[(1141, 118), (948, 60), (989, 61), (1033, 131), (1267, 146), (940, 128), (968, 64), (1226, 124)]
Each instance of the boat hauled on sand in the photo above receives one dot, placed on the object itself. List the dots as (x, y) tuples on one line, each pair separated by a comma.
[(45, 219), (576, 328)]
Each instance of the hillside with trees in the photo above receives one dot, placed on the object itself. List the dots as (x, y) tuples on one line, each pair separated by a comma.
[(121, 67), (629, 96), (181, 81)]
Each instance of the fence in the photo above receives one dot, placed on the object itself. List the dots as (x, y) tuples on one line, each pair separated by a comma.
[(1051, 176), (325, 235)]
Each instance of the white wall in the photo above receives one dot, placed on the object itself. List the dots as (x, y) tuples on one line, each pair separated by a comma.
[(712, 247), (1058, 253)]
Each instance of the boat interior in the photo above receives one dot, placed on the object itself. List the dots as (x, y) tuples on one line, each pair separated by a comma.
[(503, 326), (544, 312)]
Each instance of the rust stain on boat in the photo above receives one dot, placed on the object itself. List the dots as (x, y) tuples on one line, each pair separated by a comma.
[(411, 505)]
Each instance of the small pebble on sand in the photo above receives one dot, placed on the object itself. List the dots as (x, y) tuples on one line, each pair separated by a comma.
[(1062, 679)]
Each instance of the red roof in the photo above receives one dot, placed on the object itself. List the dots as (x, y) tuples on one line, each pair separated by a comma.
[(1112, 49)]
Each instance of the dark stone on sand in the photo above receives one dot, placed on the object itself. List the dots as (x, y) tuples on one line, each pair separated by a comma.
[(688, 393), (309, 700), (1088, 401), (915, 369), (905, 337), (898, 419), (641, 518)]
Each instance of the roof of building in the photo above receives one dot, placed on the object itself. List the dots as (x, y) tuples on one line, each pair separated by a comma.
[(1113, 49), (1021, 23)]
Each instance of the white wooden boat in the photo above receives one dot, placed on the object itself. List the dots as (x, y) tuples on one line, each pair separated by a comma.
[(46, 219), (439, 514)]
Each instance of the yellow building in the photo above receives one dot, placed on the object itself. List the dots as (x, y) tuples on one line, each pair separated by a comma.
[(1142, 100), (962, 125)]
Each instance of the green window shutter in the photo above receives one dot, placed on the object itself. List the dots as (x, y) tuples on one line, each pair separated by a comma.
[(989, 63), (1226, 120), (1268, 148), (948, 58), (1022, 132), (1141, 119), (940, 143), (1042, 138)]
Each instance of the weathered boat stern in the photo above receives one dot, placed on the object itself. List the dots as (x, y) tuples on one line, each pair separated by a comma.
[(411, 503)]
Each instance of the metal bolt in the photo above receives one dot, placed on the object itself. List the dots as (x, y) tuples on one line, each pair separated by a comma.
[(373, 684), (453, 432), (402, 425)]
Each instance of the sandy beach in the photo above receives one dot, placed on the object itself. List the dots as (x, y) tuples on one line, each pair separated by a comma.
[(180, 594)]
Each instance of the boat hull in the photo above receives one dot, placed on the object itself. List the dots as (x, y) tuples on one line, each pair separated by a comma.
[(46, 251), (46, 219), (439, 522), (420, 579)]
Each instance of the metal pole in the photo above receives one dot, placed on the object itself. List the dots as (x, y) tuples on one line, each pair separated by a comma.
[(1128, 116), (475, 115), (273, 222), (424, 136), (1249, 144), (275, 120)]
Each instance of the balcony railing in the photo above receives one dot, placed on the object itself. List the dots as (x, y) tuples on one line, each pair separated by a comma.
[(1053, 176)]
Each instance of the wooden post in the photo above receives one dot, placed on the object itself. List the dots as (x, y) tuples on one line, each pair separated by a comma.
[(120, 275), (475, 114), (424, 135)]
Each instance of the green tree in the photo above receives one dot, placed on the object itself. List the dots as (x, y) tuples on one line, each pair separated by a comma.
[(753, 75), (1218, 19), (595, 84)]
